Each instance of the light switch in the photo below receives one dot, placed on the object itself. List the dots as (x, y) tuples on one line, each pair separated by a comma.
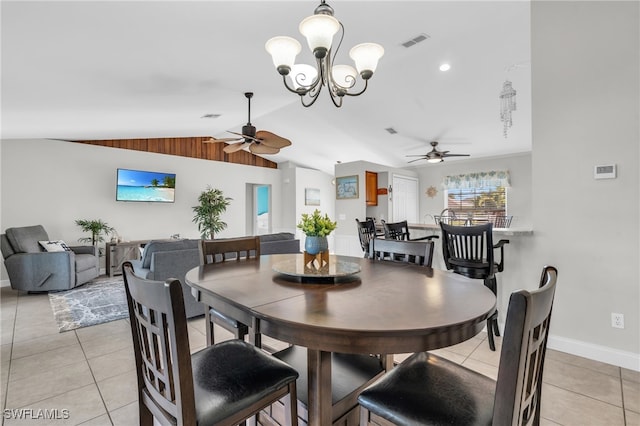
[(342, 216)]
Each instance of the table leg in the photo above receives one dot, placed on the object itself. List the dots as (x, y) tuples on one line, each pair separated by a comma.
[(319, 382)]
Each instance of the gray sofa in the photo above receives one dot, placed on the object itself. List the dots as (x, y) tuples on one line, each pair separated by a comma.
[(162, 260), (31, 268)]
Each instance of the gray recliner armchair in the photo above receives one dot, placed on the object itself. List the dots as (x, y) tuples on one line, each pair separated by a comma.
[(31, 268)]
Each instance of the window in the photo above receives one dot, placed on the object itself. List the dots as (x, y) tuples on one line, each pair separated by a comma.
[(479, 204), (477, 197)]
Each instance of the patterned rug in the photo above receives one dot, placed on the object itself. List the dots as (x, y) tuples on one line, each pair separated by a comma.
[(93, 303)]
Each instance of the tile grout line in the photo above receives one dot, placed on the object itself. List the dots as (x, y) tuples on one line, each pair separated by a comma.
[(13, 336), (95, 381), (624, 412)]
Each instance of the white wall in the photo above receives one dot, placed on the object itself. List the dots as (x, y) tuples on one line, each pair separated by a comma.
[(309, 178), (53, 183), (586, 109)]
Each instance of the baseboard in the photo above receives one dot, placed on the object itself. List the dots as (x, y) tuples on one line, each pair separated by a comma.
[(5, 283), (600, 353)]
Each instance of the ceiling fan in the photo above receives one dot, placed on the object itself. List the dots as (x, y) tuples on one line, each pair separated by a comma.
[(259, 142), (435, 156)]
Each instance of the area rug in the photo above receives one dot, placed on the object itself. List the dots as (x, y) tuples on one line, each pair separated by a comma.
[(93, 303)]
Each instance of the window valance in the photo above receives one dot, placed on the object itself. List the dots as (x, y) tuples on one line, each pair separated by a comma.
[(478, 180)]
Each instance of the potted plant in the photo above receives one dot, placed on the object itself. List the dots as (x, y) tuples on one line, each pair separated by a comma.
[(97, 227), (207, 214), (316, 227)]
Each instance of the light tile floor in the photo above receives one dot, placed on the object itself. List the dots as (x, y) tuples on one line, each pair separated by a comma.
[(91, 373)]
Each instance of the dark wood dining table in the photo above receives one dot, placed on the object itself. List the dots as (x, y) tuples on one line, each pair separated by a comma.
[(386, 308)]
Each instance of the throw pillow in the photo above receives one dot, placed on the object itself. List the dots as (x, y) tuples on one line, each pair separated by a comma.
[(54, 245)]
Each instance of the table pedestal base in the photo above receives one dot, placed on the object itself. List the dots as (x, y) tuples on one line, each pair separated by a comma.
[(350, 373)]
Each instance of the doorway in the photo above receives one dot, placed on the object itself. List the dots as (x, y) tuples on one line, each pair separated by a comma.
[(404, 199), (260, 219)]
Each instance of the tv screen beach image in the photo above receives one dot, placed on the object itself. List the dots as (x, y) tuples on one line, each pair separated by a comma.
[(138, 185)]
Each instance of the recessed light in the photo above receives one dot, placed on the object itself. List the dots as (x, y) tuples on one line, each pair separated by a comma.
[(445, 67)]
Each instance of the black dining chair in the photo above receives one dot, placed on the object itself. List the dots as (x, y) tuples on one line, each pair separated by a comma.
[(417, 252), (502, 221), (426, 389), (469, 251), (223, 384), (400, 231), (366, 233), (222, 250)]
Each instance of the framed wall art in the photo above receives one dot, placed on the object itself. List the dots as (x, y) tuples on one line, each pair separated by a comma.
[(311, 197), (347, 187)]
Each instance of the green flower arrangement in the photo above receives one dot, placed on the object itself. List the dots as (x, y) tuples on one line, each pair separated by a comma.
[(316, 225)]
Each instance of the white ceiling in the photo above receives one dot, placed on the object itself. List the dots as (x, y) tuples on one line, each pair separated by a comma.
[(107, 70)]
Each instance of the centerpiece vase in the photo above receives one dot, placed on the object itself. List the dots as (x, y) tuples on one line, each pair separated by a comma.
[(315, 245)]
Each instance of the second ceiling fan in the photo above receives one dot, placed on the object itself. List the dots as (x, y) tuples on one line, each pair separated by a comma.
[(259, 142), (435, 156)]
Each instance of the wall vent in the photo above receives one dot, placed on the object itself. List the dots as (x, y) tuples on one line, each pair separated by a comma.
[(416, 40)]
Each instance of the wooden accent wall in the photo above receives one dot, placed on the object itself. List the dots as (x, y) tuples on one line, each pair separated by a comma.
[(187, 147)]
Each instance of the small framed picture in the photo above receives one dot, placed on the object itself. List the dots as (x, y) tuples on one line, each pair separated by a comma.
[(347, 187), (311, 197)]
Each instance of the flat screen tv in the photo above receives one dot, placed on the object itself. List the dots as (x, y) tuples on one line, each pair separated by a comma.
[(140, 185)]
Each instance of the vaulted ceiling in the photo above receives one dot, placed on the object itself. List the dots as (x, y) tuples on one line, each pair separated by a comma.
[(123, 70)]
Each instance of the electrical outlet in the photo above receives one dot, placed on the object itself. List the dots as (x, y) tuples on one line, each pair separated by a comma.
[(617, 320)]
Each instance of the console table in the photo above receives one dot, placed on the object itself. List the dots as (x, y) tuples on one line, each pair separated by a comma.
[(118, 253)]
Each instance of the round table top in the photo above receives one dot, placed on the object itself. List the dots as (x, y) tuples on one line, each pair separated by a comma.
[(390, 307)]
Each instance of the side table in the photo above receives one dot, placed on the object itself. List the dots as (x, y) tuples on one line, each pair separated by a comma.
[(118, 253)]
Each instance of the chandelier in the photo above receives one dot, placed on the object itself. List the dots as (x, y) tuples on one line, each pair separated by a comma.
[(507, 105), (306, 80)]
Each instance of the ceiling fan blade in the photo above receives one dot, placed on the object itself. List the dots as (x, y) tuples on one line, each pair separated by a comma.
[(214, 140), (417, 159), (245, 136), (234, 147), (271, 139), (416, 155), (258, 148), (456, 155)]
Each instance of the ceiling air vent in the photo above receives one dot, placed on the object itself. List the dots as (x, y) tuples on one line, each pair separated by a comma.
[(416, 40), (211, 116), (391, 130)]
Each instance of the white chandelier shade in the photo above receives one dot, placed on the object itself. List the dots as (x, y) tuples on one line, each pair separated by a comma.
[(307, 81), (319, 31), (366, 56), (283, 50)]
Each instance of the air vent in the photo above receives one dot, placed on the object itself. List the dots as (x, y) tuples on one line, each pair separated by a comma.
[(391, 130), (211, 116), (416, 40)]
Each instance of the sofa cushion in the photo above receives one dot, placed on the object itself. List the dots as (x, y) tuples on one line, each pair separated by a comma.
[(154, 246), (26, 239), (276, 237)]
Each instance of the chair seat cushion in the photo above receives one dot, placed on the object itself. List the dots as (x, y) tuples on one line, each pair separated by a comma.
[(429, 390), (232, 375)]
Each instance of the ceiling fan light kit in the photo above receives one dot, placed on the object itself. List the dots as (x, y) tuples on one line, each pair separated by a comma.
[(307, 81), (259, 142)]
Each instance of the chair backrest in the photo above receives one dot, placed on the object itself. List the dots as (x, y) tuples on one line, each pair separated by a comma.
[(502, 221), (519, 384), (418, 252), (161, 347), (396, 230), (468, 250), (366, 232), (213, 251)]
